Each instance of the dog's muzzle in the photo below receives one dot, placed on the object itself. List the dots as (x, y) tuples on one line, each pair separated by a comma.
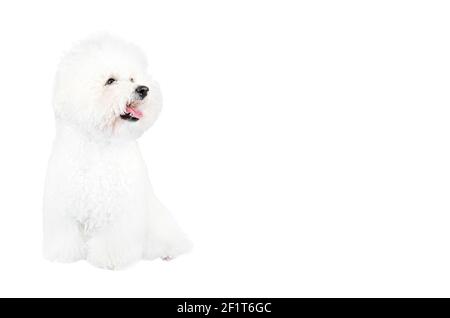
[(132, 113)]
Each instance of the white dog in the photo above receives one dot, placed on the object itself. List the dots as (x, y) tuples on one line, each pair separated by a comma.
[(99, 204)]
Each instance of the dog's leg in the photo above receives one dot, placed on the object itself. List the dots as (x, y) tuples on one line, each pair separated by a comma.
[(117, 245), (63, 240), (165, 239)]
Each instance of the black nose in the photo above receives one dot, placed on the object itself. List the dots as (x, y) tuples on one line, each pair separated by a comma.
[(142, 91)]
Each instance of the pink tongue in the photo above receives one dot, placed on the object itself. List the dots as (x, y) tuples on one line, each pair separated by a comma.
[(134, 112)]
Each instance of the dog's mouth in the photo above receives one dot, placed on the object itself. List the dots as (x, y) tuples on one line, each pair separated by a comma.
[(131, 112)]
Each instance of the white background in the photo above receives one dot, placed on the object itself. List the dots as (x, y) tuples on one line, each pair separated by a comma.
[(304, 146)]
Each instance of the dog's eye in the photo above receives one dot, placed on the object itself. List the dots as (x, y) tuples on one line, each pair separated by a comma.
[(110, 81), (132, 80)]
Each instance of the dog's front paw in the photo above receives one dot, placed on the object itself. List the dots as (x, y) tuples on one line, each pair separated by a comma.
[(64, 249), (105, 255)]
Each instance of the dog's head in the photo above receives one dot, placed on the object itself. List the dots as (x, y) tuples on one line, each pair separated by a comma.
[(103, 88)]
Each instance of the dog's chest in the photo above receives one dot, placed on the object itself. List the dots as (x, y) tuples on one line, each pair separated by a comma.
[(104, 185)]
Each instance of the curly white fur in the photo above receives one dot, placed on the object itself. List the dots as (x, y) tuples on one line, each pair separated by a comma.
[(99, 204)]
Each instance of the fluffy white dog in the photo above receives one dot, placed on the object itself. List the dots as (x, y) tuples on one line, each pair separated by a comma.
[(99, 204)]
